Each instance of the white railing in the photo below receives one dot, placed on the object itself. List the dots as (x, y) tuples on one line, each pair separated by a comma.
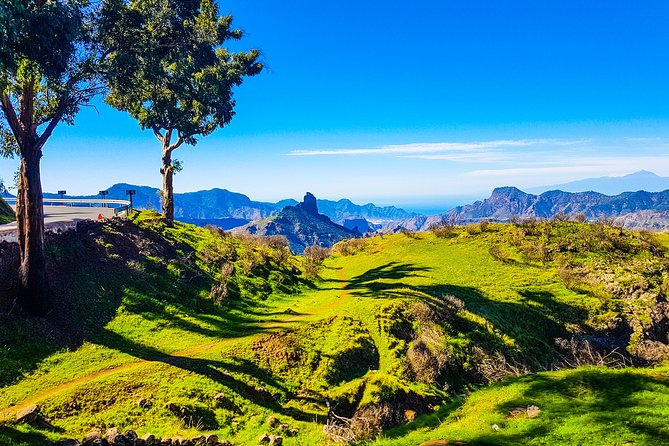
[(119, 205)]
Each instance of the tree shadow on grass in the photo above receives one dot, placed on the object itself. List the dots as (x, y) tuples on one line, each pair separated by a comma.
[(531, 324), (102, 266), (614, 406), (10, 436), (383, 278), (268, 394)]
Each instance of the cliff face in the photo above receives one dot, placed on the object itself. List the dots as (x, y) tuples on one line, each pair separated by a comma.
[(302, 225)]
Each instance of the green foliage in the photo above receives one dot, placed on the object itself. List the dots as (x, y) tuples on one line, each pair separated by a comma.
[(167, 66), (6, 213)]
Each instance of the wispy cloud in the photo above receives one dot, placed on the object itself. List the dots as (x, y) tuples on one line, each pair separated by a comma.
[(428, 150)]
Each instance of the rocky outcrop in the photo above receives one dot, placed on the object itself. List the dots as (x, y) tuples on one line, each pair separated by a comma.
[(302, 226), (309, 204)]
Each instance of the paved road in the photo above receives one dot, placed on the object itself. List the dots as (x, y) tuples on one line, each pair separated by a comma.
[(59, 218)]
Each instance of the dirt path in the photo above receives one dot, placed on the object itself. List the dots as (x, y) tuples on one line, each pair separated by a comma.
[(9, 413)]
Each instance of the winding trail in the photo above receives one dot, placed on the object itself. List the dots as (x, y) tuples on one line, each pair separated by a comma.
[(10, 412)]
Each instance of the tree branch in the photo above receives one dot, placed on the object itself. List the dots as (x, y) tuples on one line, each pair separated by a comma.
[(159, 135), (10, 114)]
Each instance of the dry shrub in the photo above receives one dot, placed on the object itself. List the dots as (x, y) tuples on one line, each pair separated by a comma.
[(579, 352), (371, 420), (473, 229), (350, 246), (653, 351), (316, 253), (483, 225), (428, 360), (444, 229), (496, 367), (497, 253), (579, 218), (220, 290), (407, 233), (560, 216)]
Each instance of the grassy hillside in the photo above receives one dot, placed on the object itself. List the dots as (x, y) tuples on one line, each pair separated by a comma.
[(221, 333), (6, 213)]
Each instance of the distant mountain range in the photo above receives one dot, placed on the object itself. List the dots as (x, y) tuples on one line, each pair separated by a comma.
[(641, 209), (302, 225), (642, 180), (230, 209)]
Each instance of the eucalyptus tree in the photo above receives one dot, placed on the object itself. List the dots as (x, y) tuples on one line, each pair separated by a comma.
[(169, 69), (46, 75)]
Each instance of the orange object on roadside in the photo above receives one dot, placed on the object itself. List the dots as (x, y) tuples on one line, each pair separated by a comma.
[(100, 217)]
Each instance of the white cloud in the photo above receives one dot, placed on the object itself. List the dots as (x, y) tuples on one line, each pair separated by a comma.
[(424, 149)]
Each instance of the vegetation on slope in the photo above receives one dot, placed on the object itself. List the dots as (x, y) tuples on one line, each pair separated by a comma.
[(219, 333), (6, 213)]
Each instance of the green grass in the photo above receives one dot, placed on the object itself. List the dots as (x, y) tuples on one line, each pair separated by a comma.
[(138, 322), (585, 406)]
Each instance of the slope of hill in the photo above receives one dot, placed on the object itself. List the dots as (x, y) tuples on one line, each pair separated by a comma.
[(507, 202), (642, 180), (189, 332), (302, 225), (6, 213)]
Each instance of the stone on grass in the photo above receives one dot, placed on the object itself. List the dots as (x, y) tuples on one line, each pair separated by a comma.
[(211, 439), (264, 438), (92, 435), (272, 421), (275, 440), (533, 411), (68, 442), (28, 415)]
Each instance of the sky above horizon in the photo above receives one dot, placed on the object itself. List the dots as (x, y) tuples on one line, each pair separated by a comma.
[(429, 102)]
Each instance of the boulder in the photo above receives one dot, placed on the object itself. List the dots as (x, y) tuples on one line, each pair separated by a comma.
[(275, 440), (68, 442), (264, 438), (272, 421), (130, 435), (150, 439), (29, 415), (211, 440), (92, 435)]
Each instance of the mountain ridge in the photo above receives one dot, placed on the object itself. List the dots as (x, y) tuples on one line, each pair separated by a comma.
[(630, 209), (611, 185), (235, 209)]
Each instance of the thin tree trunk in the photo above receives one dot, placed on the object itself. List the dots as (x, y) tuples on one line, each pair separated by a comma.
[(168, 189), (34, 293)]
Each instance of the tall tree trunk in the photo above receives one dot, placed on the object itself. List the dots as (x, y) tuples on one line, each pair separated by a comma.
[(34, 293), (168, 189)]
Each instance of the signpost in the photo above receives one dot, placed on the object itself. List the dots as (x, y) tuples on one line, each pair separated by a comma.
[(62, 195), (103, 194), (130, 193)]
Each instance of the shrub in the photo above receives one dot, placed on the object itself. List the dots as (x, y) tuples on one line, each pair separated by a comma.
[(498, 254), (350, 246), (444, 229)]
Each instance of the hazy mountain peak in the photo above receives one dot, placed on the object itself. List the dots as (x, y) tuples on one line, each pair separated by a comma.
[(608, 185)]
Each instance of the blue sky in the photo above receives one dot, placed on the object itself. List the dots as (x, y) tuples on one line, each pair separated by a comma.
[(426, 102)]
